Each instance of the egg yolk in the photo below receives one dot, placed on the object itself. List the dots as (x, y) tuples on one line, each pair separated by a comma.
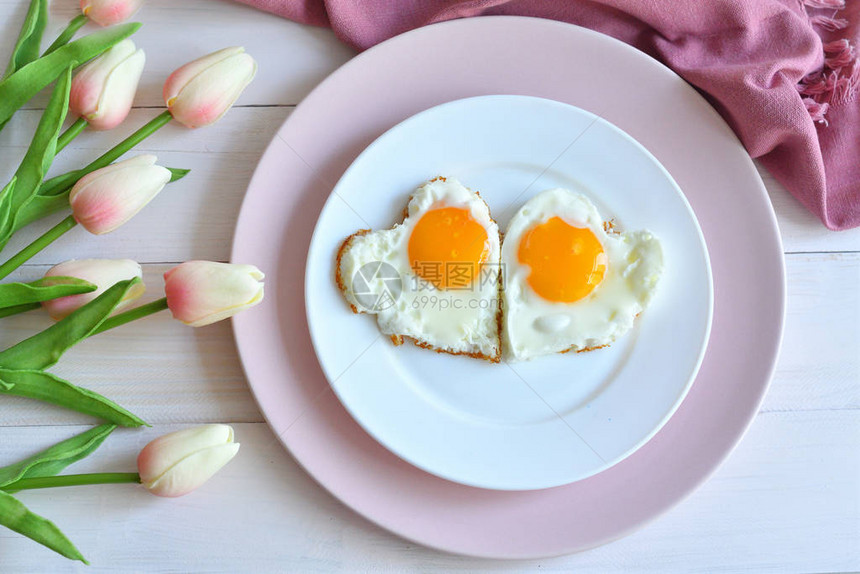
[(448, 247), (566, 262)]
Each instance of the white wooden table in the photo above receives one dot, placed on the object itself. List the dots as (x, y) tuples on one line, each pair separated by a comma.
[(787, 500)]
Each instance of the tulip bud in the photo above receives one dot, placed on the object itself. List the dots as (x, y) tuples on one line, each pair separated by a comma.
[(103, 273), (177, 463), (203, 292), (106, 198), (109, 12), (200, 92), (103, 90)]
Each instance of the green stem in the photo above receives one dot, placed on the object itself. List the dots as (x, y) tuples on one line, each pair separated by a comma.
[(71, 29), (60, 184), (15, 309), (37, 245), (67, 136), (131, 315), (73, 480)]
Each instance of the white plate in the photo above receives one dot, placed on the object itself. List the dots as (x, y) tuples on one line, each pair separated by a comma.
[(523, 426)]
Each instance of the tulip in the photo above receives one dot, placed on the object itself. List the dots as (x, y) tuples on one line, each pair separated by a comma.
[(202, 292), (101, 272), (197, 94), (109, 12), (200, 92), (103, 90), (102, 200), (199, 293), (179, 462), (108, 197), (171, 465)]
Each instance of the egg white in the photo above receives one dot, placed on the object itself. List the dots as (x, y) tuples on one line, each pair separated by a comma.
[(452, 320), (534, 326)]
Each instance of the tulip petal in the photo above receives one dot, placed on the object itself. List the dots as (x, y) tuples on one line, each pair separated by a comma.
[(192, 471), (106, 198), (182, 75), (109, 12), (203, 292), (103, 90), (102, 272), (162, 453), (117, 96), (137, 161), (177, 463), (228, 312), (88, 83), (212, 91)]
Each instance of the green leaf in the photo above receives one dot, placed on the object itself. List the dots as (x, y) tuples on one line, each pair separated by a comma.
[(38, 158), (54, 459), (45, 349), (9, 311), (25, 83), (71, 29), (30, 39), (61, 184), (176, 173), (38, 207), (16, 517), (45, 289), (49, 388), (5, 207)]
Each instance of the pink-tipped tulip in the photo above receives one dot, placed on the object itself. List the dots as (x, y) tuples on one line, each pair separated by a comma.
[(106, 198), (103, 90), (101, 272), (200, 92), (203, 292), (109, 12), (179, 462)]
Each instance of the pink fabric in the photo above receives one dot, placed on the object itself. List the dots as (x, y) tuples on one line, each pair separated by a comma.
[(783, 73)]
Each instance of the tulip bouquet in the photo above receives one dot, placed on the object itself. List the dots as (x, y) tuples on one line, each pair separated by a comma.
[(96, 77)]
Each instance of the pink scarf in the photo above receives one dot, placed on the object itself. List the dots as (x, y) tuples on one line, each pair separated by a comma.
[(783, 73)]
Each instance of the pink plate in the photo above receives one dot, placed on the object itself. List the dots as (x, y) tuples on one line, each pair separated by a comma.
[(510, 55)]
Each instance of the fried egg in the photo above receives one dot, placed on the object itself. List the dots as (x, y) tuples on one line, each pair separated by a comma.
[(434, 278), (569, 284)]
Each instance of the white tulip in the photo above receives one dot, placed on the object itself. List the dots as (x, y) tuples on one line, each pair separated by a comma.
[(103, 90), (103, 273), (106, 198), (200, 92), (179, 462), (203, 292)]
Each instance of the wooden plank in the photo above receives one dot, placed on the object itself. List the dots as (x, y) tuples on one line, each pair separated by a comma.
[(819, 364), (787, 500), (192, 218), (166, 372), (292, 58), (801, 230)]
